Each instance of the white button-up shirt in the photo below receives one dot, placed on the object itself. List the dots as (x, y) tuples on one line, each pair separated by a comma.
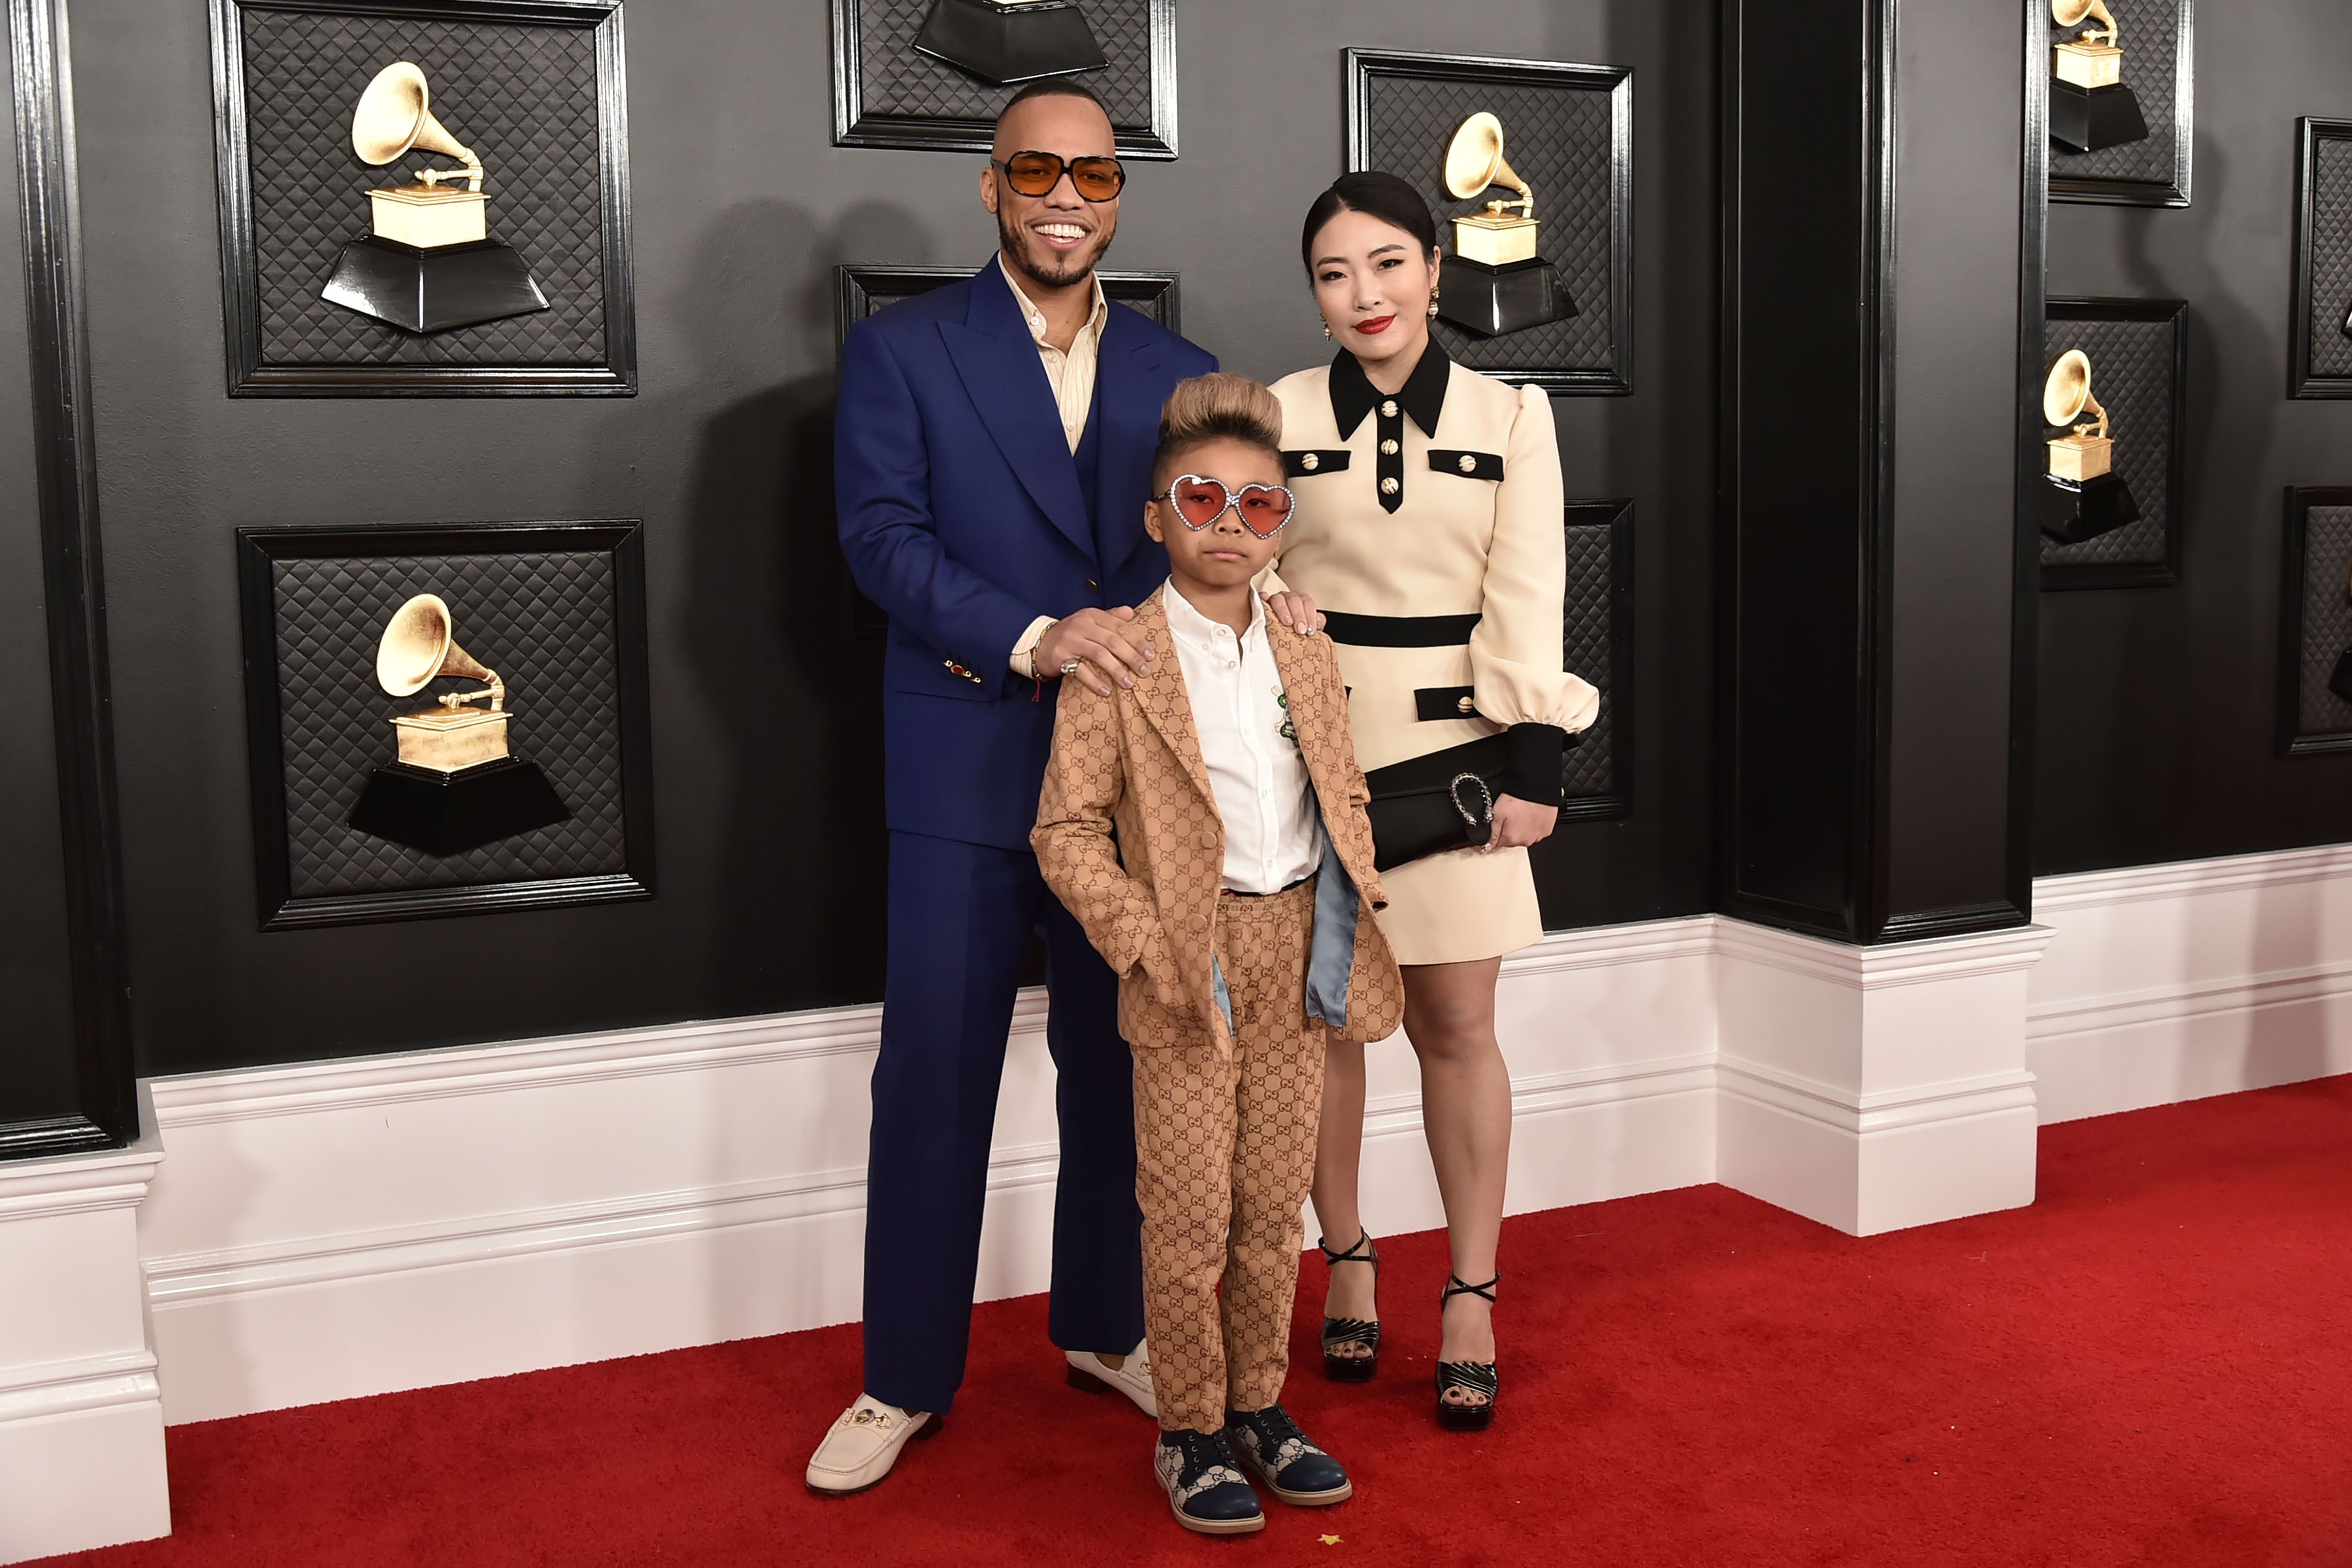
[(1250, 746), (1069, 371)]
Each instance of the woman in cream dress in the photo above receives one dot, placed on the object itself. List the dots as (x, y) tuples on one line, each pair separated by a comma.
[(1429, 531)]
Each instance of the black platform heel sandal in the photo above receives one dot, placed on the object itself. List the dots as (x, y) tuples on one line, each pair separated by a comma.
[(1470, 1376), (1365, 1332)]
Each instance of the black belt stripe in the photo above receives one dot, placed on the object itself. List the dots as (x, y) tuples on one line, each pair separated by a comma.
[(1399, 631)]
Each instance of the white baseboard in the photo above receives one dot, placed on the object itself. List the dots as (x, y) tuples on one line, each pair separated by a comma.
[(2177, 981), (348, 1227), (81, 1415), (1875, 1088), (341, 1228)]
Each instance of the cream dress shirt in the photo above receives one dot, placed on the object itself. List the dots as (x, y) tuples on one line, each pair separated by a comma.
[(1071, 374), (1256, 769)]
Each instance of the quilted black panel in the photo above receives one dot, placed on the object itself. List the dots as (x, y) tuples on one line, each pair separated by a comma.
[(893, 80), (545, 621), (1560, 141), (1588, 647), (2331, 256), (2326, 619), (2131, 374), (2150, 32), (1151, 295), (524, 98)]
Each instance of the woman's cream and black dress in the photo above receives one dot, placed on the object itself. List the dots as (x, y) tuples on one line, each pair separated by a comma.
[(1429, 529)]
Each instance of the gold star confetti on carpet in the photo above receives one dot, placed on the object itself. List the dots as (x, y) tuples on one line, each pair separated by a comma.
[(1328, 1540)]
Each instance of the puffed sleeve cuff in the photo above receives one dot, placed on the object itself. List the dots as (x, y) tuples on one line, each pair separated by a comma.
[(1538, 751)]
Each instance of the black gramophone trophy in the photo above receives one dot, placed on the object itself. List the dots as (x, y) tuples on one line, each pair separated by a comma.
[(1009, 41), (455, 787), (1495, 282), (428, 263), (2083, 497), (2090, 107)]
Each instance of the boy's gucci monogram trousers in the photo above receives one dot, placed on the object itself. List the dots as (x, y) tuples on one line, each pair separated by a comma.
[(1225, 1143)]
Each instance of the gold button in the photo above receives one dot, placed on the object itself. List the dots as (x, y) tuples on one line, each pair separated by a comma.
[(1388, 409), (1312, 461), (1469, 464), (1388, 448), (1466, 706), (1388, 487)]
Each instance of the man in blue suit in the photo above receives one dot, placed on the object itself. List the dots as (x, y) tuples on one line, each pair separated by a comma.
[(993, 468)]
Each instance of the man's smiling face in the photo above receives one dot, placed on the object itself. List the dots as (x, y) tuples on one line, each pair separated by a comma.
[(1055, 240)]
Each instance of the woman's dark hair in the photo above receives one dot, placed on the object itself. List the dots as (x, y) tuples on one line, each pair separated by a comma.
[(1384, 196)]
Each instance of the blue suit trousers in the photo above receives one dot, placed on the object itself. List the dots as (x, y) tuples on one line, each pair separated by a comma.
[(960, 918)]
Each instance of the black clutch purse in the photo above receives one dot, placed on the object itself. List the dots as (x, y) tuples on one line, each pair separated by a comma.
[(1443, 800)]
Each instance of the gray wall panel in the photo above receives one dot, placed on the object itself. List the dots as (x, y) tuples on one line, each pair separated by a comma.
[(765, 710), (2155, 738)]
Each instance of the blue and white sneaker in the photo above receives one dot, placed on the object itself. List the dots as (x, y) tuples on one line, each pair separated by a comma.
[(1292, 1467), (1206, 1489)]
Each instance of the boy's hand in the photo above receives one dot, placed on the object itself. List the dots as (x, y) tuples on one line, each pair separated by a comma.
[(1106, 645), (1158, 967), (1295, 610), (1520, 822)]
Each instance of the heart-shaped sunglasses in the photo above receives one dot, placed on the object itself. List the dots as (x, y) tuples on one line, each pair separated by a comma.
[(1198, 501)]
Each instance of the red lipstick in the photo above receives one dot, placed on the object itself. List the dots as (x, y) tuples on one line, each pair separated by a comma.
[(1372, 326)]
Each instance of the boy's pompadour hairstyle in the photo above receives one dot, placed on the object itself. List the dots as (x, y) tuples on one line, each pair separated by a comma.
[(1219, 407)]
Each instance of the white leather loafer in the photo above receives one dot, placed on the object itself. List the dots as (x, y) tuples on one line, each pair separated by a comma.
[(1095, 1375), (864, 1444)]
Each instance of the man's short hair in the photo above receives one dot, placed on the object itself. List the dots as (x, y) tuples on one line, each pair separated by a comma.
[(1051, 87)]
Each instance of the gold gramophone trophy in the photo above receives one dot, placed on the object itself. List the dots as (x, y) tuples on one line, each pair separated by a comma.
[(1495, 282), (428, 263), (1009, 41), (2083, 496), (2090, 107), (456, 786)]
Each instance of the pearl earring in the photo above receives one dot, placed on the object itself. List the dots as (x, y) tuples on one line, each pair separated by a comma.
[(1432, 300), (1327, 332)]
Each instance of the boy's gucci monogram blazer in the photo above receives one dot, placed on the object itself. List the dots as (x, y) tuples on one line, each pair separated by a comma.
[(1130, 764)]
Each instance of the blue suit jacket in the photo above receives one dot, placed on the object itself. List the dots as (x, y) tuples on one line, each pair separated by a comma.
[(962, 516)]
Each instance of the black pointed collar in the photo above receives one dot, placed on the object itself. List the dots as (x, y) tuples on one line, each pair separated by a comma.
[(1422, 398)]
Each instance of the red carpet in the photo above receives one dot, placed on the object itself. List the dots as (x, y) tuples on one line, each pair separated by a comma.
[(2152, 1365)]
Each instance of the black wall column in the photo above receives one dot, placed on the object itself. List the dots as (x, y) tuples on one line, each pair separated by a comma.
[(66, 1077), (1877, 605)]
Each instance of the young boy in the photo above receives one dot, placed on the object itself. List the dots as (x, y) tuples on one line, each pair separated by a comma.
[(1206, 826)]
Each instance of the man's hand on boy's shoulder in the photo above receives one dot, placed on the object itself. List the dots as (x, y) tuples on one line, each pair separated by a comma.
[(1096, 648)]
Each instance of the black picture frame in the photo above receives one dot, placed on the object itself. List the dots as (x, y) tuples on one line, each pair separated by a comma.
[(1363, 68), (260, 549), (2309, 311), (2294, 628), (252, 375), (2172, 191), (859, 290), (1616, 721), (2059, 574), (855, 124)]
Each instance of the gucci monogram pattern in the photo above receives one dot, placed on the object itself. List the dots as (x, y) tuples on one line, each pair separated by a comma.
[(1131, 765), (1225, 1146), (1168, 1464)]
